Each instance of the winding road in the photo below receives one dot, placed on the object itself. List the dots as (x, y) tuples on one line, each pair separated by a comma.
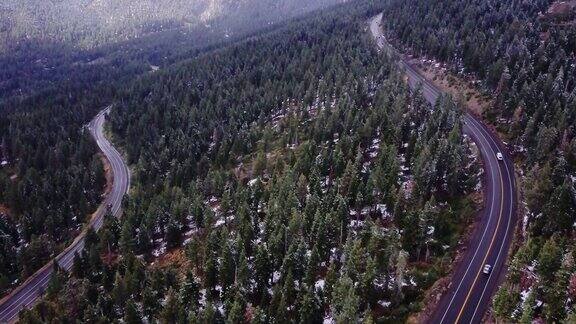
[(32, 289), (470, 291)]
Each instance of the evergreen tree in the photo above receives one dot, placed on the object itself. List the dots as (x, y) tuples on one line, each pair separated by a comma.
[(310, 309), (345, 301), (131, 314)]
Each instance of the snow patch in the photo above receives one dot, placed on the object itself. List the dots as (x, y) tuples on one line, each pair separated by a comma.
[(384, 303), (328, 320), (320, 284)]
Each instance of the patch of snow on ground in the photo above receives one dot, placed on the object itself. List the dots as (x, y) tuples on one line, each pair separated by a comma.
[(275, 276), (382, 209), (365, 167), (223, 220), (538, 303), (384, 303), (356, 224), (525, 220), (190, 232), (160, 250), (532, 266), (524, 294), (319, 284), (203, 297), (328, 320), (478, 186)]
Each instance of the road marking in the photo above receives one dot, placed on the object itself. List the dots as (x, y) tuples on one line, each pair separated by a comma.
[(490, 214), (489, 247), (505, 233)]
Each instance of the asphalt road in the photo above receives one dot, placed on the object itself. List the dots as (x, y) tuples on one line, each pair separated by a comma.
[(32, 289), (470, 291)]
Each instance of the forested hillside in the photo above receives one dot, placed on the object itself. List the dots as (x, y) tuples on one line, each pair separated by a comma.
[(288, 178), (524, 53), (50, 177), (50, 180), (88, 23), (43, 43)]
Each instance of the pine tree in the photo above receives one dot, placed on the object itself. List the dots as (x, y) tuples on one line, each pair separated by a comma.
[(189, 293), (310, 311), (94, 261), (366, 290), (549, 260), (504, 302), (258, 316), (210, 275), (170, 310), (173, 234), (150, 302), (312, 268), (259, 164), (556, 296), (561, 209), (131, 315), (345, 301), (127, 241), (242, 271), (289, 290), (401, 263), (77, 266), (56, 281), (528, 308), (330, 280), (262, 270), (227, 266), (368, 318), (119, 292), (236, 313)]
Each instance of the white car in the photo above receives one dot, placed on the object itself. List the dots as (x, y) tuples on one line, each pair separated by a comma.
[(499, 156), (487, 268)]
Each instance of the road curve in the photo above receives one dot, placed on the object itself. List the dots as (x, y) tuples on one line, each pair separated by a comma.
[(470, 291), (32, 289)]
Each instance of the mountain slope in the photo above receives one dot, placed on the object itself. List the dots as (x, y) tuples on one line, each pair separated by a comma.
[(87, 23)]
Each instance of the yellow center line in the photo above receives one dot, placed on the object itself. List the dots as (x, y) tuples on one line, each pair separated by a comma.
[(489, 247)]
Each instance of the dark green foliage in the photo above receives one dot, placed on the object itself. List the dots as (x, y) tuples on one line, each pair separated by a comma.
[(523, 55), (273, 183)]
